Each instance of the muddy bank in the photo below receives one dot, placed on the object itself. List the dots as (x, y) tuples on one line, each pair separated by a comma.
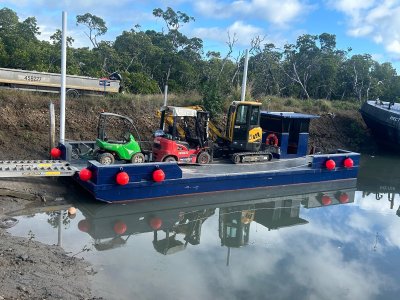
[(28, 268)]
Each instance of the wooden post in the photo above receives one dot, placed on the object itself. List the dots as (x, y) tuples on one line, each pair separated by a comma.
[(52, 133)]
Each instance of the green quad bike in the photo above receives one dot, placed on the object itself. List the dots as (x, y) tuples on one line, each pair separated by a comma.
[(120, 145)]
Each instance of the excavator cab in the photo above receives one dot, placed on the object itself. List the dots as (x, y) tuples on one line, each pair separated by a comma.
[(243, 129)]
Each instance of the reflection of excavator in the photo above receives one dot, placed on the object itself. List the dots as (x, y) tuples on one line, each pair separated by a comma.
[(242, 137), (234, 225)]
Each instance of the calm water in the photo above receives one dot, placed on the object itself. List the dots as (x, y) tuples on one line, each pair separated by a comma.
[(332, 243)]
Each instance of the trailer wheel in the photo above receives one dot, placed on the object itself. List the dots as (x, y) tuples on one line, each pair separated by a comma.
[(169, 159), (106, 158), (137, 158), (72, 94), (203, 158)]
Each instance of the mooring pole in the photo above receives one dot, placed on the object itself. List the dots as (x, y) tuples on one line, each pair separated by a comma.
[(165, 94), (63, 76), (246, 64), (52, 134)]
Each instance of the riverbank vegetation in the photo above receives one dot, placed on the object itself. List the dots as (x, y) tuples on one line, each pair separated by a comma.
[(311, 68)]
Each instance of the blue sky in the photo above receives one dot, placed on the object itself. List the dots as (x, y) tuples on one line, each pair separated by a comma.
[(367, 26)]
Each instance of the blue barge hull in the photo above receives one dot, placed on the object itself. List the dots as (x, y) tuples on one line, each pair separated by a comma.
[(216, 177)]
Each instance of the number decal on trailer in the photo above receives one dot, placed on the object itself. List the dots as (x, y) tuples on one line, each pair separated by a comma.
[(32, 78)]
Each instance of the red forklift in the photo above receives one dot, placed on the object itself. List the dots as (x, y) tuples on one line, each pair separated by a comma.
[(183, 136)]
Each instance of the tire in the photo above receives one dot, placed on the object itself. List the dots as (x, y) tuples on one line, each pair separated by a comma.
[(236, 159), (72, 94), (169, 159), (137, 158), (204, 158), (106, 158), (75, 153)]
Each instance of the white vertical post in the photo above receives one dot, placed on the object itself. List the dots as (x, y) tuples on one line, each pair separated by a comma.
[(52, 126), (244, 82), (63, 76), (165, 95)]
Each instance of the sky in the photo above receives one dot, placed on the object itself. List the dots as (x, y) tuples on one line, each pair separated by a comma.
[(367, 26)]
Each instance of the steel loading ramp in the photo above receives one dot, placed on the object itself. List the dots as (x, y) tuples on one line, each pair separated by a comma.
[(29, 168)]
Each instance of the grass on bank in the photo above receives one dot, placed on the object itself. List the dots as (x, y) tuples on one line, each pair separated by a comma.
[(150, 102)]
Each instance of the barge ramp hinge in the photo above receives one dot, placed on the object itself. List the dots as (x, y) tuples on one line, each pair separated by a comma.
[(29, 168)]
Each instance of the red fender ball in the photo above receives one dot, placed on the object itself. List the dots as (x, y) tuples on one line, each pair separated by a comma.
[(330, 164), (122, 178), (326, 200), (84, 225), (120, 227), (343, 198), (158, 175), (55, 153), (155, 223), (348, 163), (85, 174)]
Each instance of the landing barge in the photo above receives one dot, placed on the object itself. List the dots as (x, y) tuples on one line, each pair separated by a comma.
[(291, 166), (130, 182)]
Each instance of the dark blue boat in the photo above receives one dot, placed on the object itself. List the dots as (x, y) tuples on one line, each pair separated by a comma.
[(383, 119)]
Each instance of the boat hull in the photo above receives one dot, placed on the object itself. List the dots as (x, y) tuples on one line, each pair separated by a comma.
[(183, 181), (383, 120)]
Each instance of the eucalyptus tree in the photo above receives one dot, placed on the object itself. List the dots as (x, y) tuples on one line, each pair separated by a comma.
[(265, 72), (357, 73), (96, 26), (301, 63), (176, 40)]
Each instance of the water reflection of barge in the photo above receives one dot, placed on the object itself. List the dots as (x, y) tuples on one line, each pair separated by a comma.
[(177, 223)]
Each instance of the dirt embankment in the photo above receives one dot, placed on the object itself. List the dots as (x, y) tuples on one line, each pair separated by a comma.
[(24, 123)]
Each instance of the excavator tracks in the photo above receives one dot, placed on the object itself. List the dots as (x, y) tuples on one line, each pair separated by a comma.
[(29, 168)]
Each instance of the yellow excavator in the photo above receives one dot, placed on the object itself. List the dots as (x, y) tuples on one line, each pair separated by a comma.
[(242, 137)]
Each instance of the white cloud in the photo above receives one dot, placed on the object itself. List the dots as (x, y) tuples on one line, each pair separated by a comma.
[(277, 12), (376, 20), (243, 33)]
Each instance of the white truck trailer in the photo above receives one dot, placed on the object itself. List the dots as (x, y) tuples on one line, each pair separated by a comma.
[(51, 82)]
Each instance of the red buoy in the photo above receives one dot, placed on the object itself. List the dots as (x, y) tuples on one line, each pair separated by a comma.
[(55, 153), (122, 178), (155, 223), (326, 200), (348, 163), (120, 227), (343, 198), (158, 175), (84, 225), (85, 174), (330, 164)]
